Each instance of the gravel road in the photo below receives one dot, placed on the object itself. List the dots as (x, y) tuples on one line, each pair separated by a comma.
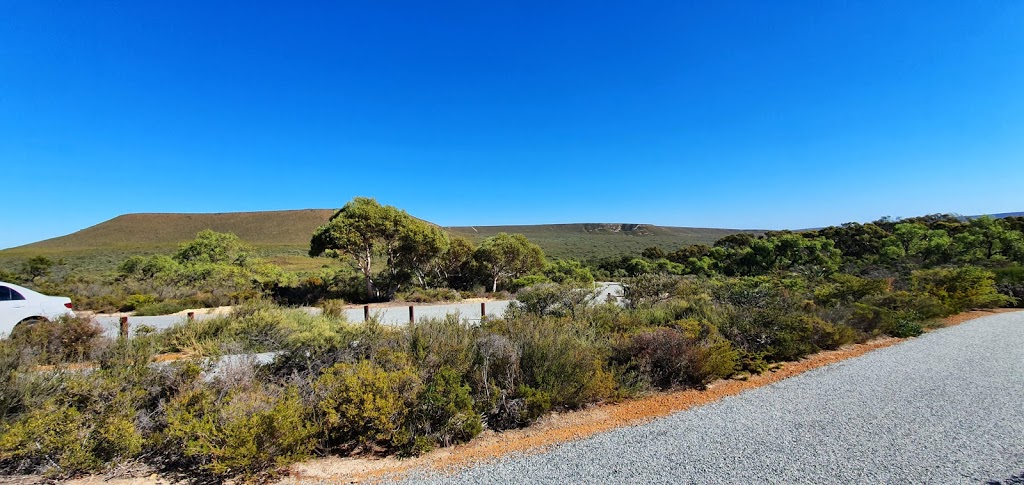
[(947, 407)]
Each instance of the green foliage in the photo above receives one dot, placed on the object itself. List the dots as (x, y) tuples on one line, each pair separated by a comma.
[(444, 412), (363, 405), (649, 289), (960, 289), (66, 424), (38, 266), (550, 299), (245, 432), (569, 271), (211, 247), (508, 256), (561, 358), (366, 232)]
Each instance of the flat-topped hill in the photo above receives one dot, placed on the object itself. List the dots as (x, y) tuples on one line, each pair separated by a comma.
[(284, 235)]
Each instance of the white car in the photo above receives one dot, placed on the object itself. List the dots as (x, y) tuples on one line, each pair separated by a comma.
[(22, 305)]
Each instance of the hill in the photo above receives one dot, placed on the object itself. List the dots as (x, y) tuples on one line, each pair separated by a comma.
[(283, 237), (273, 228), (595, 240)]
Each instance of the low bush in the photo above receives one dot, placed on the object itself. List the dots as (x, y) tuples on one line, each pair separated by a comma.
[(62, 340), (561, 358), (245, 432), (364, 407), (444, 413), (669, 357), (960, 289)]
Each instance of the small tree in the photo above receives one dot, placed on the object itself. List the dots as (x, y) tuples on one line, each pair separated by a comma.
[(38, 266), (509, 256)]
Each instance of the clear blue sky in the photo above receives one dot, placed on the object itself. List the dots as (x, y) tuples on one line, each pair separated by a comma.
[(733, 114)]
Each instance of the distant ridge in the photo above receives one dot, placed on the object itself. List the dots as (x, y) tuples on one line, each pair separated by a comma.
[(1006, 214), (293, 228)]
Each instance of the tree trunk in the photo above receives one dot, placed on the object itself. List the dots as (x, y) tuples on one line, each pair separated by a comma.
[(494, 287), (367, 271)]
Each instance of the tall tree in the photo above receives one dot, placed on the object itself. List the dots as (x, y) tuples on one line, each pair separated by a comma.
[(508, 256), (371, 234)]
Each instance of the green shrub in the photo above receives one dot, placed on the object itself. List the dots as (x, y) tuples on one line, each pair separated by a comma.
[(53, 439), (246, 432), (333, 308), (363, 405), (902, 328), (444, 411), (562, 358), (436, 343), (549, 299), (527, 281), (960, 289), (78, 424), (135, 301)]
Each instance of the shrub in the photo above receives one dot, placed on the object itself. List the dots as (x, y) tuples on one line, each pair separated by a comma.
[(65, 339), (527, 281), (333, 308), (669, 357), (549, 299), (82, 423), (52, 438), (960, 289), (1010, 282), (436, 343), (364, 406), (561, 358), (649, 289), (246, 432), (444, 411)]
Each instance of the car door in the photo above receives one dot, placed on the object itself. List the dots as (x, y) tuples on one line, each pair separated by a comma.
[(13, 308)]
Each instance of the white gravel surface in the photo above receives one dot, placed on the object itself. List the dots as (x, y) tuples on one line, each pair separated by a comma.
[(947, 407)]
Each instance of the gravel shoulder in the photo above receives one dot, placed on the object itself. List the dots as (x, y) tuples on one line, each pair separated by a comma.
[(942, 408)]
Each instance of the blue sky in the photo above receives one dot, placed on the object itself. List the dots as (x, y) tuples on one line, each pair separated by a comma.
[(733, 114)]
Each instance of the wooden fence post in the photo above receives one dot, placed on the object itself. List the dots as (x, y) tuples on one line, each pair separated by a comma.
[(412, 316), (483, 309), (366, 313), (123, 330)]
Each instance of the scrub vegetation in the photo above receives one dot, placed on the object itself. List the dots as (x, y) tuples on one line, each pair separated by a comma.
[(691, 316)]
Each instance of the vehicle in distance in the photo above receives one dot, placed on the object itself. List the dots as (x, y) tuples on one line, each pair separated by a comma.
[(20, 305)]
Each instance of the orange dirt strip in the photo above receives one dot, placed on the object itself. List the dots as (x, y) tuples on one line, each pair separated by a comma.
[(562, 427)]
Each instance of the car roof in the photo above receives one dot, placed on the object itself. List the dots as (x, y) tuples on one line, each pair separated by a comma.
[(20, 289)]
